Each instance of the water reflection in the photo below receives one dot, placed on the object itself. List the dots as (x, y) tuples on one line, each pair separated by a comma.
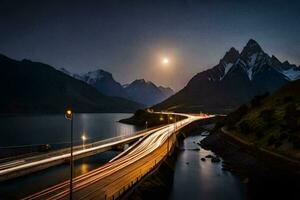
[(196, 179), (26, 185), (55, 129), (35, 129), (84, 168)]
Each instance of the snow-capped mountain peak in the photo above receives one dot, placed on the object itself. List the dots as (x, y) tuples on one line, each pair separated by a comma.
[(252, 62), (251, 48), (230, 84), (93, 76)]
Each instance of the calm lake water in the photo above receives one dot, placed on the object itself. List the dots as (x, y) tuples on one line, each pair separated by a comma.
[(195, 179), (55, 129)]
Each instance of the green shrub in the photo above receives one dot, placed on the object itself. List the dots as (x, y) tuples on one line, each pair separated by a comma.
[(267, 115), (291, 117), (278, 144), (257, 100), (296, 142), (235, 116), (287, 99), (271, 140), (259, 134), (245, 127), (283, 136)]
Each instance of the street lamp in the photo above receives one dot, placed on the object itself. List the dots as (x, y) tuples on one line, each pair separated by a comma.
[(83, 138), (146, 123), (161, 118), (169, 118), (69, 116), (175, 125)]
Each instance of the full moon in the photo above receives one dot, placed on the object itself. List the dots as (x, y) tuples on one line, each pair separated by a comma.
[(165, 61)]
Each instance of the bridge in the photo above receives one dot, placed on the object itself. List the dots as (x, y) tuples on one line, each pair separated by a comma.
[(110, 181), (114, 178), (23, 166)]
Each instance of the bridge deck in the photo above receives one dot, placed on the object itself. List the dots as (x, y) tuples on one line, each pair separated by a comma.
[(31, 164), (114, 178)]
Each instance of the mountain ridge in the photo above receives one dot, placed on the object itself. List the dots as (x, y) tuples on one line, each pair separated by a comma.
[(34, 87), (104, 82), (236, 79)]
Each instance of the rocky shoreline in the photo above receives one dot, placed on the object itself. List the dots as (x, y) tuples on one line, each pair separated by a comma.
[(264, 180)]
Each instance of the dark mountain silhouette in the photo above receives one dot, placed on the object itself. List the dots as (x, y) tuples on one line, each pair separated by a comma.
[(147, 92), (104, 82), (141, 91), (29, 87), (235, 80)]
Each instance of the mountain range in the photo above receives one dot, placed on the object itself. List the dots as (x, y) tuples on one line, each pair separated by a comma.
[(236, 79), (141, 91), (33, 87)]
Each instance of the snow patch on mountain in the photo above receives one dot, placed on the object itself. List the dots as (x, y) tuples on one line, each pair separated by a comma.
[(292, 74), (227, 67), (92, 77), (250, 72), (252, 61)]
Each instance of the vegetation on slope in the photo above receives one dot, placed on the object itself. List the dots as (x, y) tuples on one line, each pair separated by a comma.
[(271, 122)]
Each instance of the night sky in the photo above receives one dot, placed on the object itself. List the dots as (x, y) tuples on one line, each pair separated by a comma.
[(129, 37)]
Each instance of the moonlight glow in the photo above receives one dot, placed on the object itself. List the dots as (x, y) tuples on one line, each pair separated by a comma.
[(165, 61)]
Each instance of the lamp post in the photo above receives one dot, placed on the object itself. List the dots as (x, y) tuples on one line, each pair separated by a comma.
[(69, 116), (169, 118), (161, 118), (83, 138), (175, 125), (146, 123)]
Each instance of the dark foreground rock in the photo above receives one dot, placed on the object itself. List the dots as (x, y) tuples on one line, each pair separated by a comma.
[(264, 179), (215, 160)]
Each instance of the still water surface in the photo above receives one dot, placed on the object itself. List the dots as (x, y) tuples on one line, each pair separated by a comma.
[(193, 178), (55, 129), (196, 179)]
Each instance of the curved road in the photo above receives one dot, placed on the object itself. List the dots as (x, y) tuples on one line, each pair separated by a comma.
[(112, 179)]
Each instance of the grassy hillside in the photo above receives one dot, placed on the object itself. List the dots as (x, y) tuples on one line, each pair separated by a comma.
[(32, 87), (271, 122)]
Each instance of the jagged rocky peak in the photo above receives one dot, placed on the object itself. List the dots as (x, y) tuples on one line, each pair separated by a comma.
[(252, 57), (99, 72), (231, 56), (286, 62), (93, 76), (137, 82), (251, 48), (140, 81), (274, 62), (225, 65)]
